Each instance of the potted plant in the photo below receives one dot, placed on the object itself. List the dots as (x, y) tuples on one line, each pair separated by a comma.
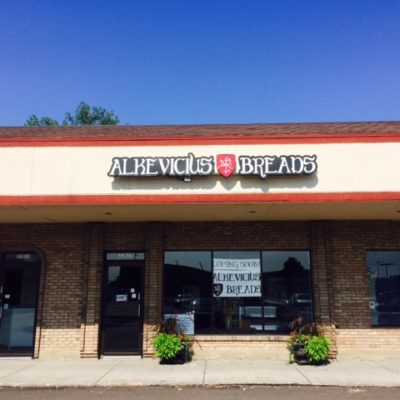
[(170, 345), (307, 343)]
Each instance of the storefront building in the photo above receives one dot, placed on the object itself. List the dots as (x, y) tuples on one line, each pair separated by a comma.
[(234, 229)]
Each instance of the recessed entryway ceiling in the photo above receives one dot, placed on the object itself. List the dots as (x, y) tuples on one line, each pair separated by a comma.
[(200, 212)]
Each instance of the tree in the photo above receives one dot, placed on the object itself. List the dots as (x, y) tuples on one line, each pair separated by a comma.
[(33, 120), (86, 115), (83, 115)]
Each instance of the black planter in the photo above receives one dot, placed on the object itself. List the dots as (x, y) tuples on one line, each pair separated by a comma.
[(180, 358), (300, 355)]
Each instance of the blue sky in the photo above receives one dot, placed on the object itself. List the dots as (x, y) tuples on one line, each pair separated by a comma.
[(194, 62)]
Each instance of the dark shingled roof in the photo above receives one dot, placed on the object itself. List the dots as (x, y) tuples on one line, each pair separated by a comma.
[(133, 131)]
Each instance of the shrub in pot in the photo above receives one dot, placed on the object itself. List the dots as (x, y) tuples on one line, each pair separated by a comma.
[(170, 345), (317, 349), (297, 349), (307, 343)]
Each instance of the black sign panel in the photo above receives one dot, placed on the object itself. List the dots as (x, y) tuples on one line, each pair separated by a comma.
[(224, 164)]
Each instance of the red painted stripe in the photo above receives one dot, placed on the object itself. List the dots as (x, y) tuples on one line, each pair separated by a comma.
[(200, 199), (196, 140)]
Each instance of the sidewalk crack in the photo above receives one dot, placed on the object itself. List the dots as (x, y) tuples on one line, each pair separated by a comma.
[(106, 373), (203, 382), (303, 375), (18, 370), (379, 363)]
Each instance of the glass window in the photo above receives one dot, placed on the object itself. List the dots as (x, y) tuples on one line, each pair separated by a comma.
[(384, 287), (238, 292), (188, 286), (287, 288)]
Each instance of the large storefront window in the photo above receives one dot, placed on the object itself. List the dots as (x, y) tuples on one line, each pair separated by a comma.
[(188, 288), (384, 287), (237, 292), (287, 288)]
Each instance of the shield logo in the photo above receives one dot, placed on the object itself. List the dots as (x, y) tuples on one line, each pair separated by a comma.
[(218, 289), (226, 164)]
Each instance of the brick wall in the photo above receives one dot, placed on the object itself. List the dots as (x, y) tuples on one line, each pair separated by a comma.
[(237, 235), (241, 346), (383, 339), (153, 284), (338, 259), (62, 283), (70, 290), (347, 243)]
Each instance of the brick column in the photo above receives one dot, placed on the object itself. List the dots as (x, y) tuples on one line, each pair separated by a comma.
[(153, 283), (320, 272), (322, 282), (91, 298)]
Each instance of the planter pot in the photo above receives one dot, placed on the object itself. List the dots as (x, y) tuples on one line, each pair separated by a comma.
[(301, 358), (180, 358), (300, 355)]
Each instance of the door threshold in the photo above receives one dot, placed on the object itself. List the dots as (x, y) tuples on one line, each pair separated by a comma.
[(122, 357), (15, 358)]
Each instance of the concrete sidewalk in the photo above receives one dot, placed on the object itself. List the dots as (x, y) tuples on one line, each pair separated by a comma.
[(144, 372)]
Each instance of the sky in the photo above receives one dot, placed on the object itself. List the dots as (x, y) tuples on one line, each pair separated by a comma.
[(201, 61)]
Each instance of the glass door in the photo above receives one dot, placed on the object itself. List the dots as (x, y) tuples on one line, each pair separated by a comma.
[(19, 287), (122, 304)]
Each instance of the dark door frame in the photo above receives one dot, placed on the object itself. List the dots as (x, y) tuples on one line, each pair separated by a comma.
[(2, 277), (106, 264)]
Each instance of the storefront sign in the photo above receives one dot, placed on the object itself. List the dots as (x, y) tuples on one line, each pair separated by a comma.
[(237, 278), (224, 164)]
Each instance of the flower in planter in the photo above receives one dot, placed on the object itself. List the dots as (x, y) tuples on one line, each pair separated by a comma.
[(167, 346), (307, 343), (170, 344)]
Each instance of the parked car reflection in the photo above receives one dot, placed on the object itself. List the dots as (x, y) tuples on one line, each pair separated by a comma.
[(300, 298), (185, 302)]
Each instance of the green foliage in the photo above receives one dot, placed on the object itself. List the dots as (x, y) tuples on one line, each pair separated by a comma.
[(317, 348), (295, 341), (33, 120), (300, 327), (171, 342), (309, 337), (86, 115), (167, 346), (83, 115)]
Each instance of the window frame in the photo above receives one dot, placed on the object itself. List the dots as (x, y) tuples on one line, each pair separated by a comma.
[(262, 298), (380, 250)]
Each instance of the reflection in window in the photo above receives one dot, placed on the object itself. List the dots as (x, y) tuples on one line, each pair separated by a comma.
[(238, 292), (188, 286), (113, 273), (384, 287), (287, 288)]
